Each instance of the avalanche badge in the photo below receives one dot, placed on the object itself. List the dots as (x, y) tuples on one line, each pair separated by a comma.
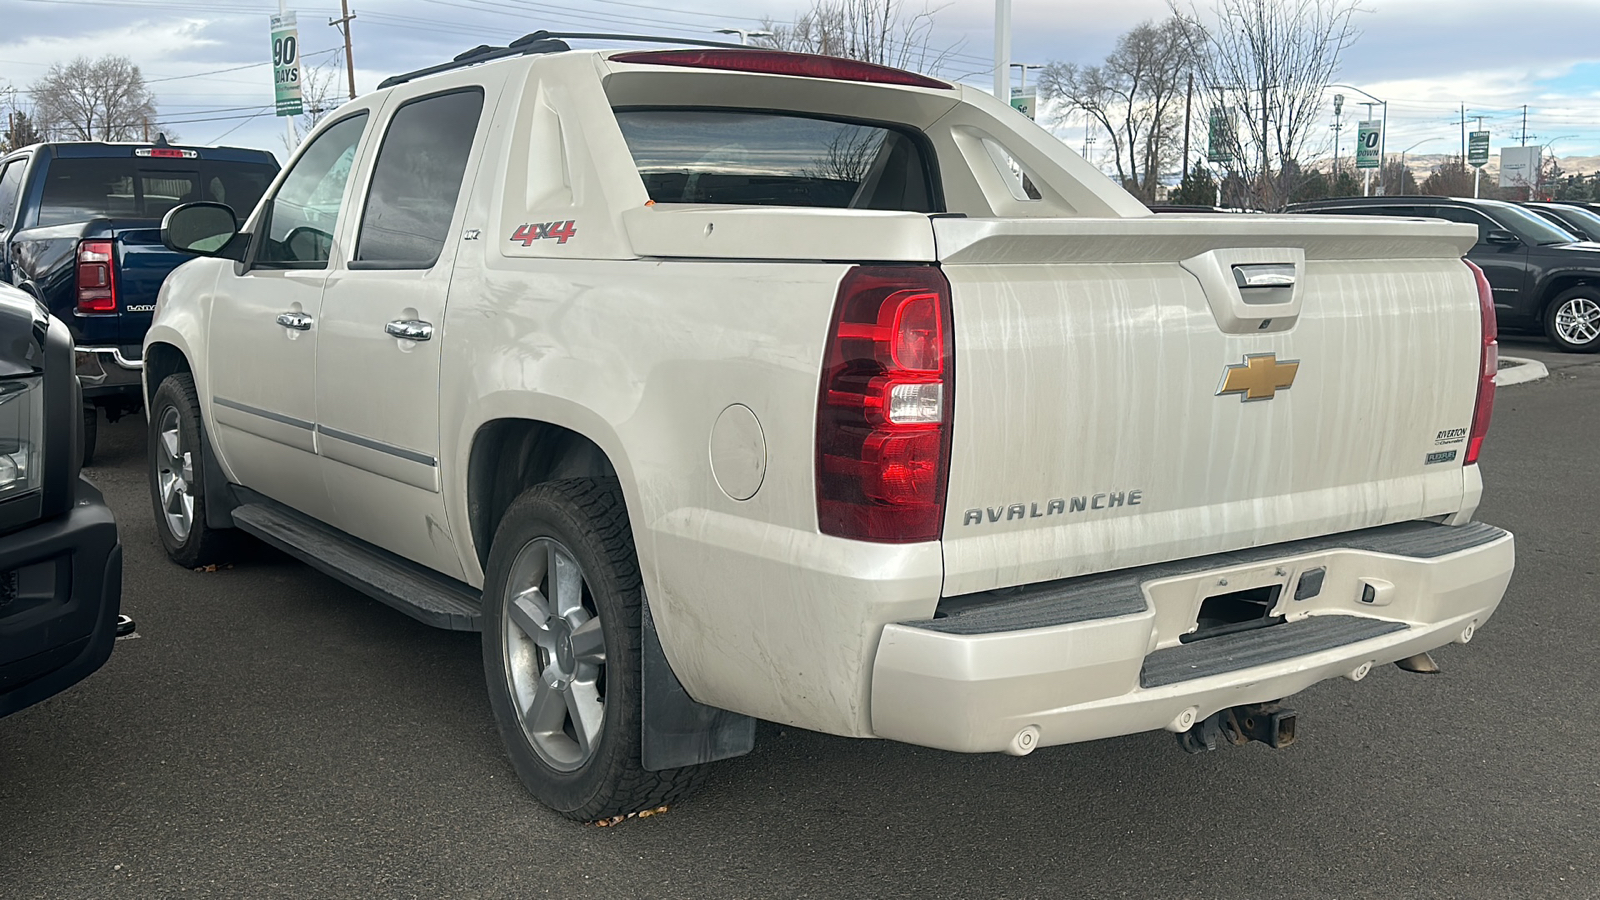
[(1259, 377)]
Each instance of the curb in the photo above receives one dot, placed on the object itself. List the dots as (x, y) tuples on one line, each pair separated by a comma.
[(1521, 370)]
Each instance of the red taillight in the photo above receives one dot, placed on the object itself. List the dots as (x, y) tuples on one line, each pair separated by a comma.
[(884, 410), (97, 285), (1488, 365), (774, 62)]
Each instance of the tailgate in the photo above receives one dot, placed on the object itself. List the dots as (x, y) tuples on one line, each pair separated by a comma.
[(1121, 400)]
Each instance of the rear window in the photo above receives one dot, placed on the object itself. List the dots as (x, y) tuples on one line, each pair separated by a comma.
[(776, 159), (135, 188)]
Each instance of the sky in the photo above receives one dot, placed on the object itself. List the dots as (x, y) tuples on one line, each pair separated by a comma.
[(208, 61)]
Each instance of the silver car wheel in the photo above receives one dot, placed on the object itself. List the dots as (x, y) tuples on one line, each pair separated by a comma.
[(174, 474), (1578, 320), (555, 655)]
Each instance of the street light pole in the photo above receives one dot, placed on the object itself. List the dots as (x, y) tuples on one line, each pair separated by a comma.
[(1383, 133), (1403, 153), (1366, 178), (744, 36), (1002, 51), (1025, 67)]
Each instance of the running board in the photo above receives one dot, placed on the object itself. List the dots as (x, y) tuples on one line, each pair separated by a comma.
[(420, 593)]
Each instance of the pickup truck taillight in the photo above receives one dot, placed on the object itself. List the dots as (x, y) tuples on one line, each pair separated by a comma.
[(97, 285), (1488, 365), (884, 409)]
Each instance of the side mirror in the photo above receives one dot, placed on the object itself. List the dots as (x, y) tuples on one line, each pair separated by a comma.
[(205, 229), (1501, 236)]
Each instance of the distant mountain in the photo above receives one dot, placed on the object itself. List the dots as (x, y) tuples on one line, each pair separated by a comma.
[(1422, 164)]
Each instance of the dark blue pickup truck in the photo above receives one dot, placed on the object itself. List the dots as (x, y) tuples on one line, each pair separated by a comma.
[(80, 229)]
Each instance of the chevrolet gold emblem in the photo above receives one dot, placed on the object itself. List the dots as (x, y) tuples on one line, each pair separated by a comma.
[(1259, 377)]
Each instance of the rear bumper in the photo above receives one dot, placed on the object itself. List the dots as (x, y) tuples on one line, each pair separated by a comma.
[(1102, 657), (60, 593), (108, 371)]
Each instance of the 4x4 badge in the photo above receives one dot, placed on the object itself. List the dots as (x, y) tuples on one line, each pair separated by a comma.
[(1259, 377)]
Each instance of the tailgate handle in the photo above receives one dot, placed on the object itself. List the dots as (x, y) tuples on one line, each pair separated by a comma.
[(1251, 290), (1263, 275)]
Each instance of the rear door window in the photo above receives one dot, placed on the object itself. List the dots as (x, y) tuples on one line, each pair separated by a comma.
[(76, 190), (760, 158), (417, 181), (1464, 216)]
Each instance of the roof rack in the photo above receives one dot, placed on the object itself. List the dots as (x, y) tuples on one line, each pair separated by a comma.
[(546, 42)]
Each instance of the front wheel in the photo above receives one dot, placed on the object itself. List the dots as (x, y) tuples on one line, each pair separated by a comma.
[(1572, 320), (177, 491), (561, 652)]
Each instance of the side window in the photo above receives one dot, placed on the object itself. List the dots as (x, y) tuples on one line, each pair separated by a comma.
[(1465, 216), (417, 181), (302, 218), (10, 189)]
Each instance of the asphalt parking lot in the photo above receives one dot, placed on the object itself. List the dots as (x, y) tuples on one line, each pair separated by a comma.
[(271, 733)]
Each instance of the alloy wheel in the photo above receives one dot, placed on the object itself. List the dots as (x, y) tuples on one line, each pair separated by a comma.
[(174, 475), (555, 654), (1578, 320)]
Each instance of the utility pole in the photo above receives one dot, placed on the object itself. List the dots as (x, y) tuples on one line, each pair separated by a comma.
[(343, 24), (1188, 100), (1463, 132), (1524, 124)]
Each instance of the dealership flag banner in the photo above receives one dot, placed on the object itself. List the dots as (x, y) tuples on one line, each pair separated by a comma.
[(286, 65), (1369, 145), (1478, 149)]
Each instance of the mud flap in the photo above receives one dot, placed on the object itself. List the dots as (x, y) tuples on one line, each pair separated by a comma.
[(677, 730)]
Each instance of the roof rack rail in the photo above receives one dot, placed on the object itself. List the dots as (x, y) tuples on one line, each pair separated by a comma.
[(547, 42)]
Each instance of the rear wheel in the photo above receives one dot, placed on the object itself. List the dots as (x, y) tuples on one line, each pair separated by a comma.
[(561, 652), (1572, 321), (177, 491)]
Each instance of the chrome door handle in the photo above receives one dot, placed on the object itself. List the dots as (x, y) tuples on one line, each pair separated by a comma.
[(296, 320), (409, 329)]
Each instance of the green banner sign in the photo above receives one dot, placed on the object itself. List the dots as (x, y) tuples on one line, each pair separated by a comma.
[(1369, 145), (1025, 101), (286, 65), (1220, 143), (1478, 148)]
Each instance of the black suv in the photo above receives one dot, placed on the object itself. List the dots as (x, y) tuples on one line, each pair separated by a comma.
[(1544, 278), (1582, 222), (60, 561)]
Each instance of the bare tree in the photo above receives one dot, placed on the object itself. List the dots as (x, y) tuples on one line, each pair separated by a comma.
[(95, 100), (1270, 60), (16, 120), (320, 94), (875, 31), (1136, 96)]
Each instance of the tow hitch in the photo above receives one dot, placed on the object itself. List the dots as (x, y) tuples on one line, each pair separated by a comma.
[(1270, 723)]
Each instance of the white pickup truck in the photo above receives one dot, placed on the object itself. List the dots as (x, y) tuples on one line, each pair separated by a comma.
[(721, 384)]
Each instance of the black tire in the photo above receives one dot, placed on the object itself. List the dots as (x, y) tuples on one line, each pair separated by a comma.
[(91, 425), (202, 545), (1565, 298), (588, 518)]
